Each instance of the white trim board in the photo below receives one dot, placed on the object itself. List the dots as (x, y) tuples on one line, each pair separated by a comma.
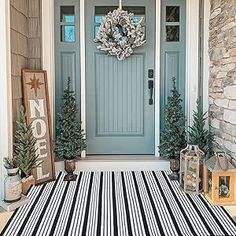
[(192, 31), (206, 58), (5, 88), (192, 57), (101, 165), (157, 76), (48, 56), (82, 69)]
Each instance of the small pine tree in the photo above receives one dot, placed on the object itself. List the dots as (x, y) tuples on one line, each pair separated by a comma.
[(25, 151), (70, 141), (198, 134), (173, 136)]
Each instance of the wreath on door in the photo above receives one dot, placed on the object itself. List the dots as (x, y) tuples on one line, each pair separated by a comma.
[(119, 34)]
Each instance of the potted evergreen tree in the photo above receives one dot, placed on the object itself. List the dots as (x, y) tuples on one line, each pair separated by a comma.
[(198, 134), (70, 139), (173, 136), (25, 151)]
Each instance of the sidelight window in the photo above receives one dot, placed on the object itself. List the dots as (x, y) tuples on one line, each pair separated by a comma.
[(67, 24), (172, 23)]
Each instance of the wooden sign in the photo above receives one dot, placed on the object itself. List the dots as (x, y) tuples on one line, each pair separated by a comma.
[(36, 102)]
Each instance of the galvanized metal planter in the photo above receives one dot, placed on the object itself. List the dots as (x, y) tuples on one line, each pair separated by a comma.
[(12, 186)]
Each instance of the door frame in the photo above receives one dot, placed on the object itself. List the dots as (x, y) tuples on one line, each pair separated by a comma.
[(192, 59)]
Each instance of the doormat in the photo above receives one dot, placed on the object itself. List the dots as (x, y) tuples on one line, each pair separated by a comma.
[(117, 204)]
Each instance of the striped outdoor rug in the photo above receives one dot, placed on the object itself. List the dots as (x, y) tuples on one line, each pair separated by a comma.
[(117, 203)]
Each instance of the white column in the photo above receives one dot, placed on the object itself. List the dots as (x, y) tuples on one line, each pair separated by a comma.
[(48, 58), (206, 58), (192, 57), (157, 76), (5, 88), (82, 68)]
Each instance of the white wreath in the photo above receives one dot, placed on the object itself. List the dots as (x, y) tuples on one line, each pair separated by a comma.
[(119, 34)]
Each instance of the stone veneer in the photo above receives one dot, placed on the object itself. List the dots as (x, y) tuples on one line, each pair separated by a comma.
[(25, 39), (222, 84)]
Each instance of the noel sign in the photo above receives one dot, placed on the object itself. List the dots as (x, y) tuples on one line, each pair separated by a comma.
[(37, 110)]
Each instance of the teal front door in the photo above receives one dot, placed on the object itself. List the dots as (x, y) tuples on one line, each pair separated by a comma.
[(120, 119)]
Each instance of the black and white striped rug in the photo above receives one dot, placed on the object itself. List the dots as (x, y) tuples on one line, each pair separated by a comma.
[(117, 204)]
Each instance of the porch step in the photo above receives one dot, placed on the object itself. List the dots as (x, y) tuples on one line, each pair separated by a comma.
[(118, 163)]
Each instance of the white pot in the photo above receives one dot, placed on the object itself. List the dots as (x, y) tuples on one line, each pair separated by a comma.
[(12, 186)]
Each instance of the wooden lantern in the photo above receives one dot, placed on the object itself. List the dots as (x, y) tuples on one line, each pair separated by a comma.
[(220, 180), (191, 169)]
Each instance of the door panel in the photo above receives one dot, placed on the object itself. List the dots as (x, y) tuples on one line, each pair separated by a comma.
[(119, 109), (173, 44), (119, 117), (67, 51)]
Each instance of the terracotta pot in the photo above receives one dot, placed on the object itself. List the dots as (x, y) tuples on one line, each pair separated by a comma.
[(27, 183), (174, 166), (70, 168)]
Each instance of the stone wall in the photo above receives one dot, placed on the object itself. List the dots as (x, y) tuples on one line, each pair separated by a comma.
[(25, 44), (222, 84)]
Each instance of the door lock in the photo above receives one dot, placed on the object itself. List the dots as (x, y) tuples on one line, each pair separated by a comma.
[(150, 73)]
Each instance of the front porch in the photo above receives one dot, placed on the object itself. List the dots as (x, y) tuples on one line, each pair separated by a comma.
[(123, 135)]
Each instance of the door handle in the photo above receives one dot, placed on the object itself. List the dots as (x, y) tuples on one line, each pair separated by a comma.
[(150, 87)]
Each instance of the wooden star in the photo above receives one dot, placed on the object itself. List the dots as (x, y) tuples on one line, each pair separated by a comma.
[(35, 84)]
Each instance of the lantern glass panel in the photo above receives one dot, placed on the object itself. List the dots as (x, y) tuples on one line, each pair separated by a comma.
[(224, 186), (209, 184), (182, 168), (201, 174), (192, 180)]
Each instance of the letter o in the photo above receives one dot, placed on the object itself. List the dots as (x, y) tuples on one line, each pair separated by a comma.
[(39, 128)]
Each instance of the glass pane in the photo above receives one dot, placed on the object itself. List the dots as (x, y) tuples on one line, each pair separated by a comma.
[(191, 178), (200, 175), (101, 11), (96, 30), (98, 19), (137, 18), (224, 187), (172, 33), (68, 33), (172, 14), (67, 14)]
